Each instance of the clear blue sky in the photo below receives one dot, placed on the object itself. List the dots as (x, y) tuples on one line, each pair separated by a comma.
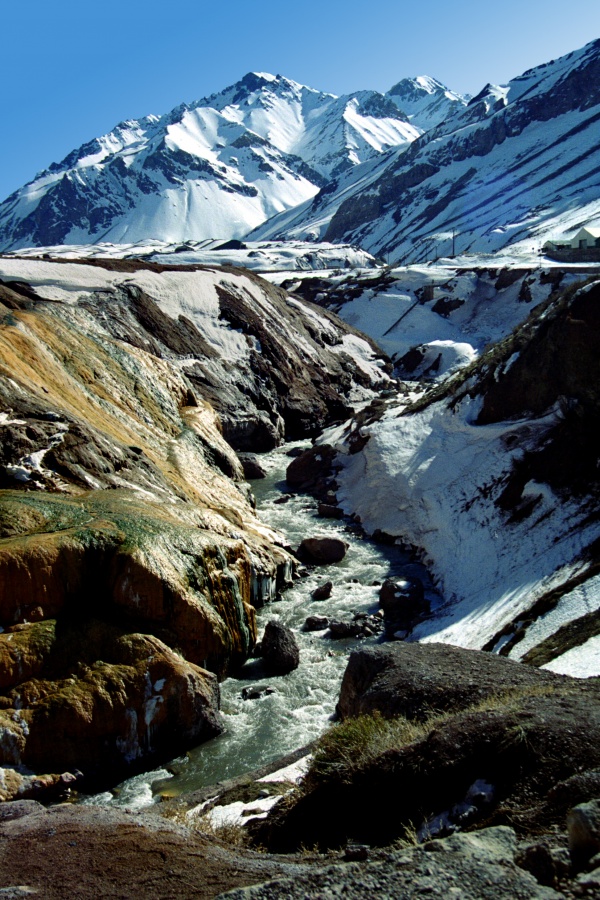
[(72, 69)]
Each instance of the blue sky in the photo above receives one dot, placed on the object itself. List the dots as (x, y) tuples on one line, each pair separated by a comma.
[(72, 69)]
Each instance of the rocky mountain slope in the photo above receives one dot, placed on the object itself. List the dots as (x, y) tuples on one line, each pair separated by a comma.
[(515, 166), (131, 559), (215, 168), (493, 475)]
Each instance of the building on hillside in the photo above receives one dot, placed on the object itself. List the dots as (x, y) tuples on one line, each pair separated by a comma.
[(583, 247)]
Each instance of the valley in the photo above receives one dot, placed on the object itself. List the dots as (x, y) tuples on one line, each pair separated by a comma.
[(299, 494)]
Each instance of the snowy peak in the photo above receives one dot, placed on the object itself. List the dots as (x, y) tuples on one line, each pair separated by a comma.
[(425, 101), (215, 168)]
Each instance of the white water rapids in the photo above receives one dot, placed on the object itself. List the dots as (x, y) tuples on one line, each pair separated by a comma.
[(303, 703)]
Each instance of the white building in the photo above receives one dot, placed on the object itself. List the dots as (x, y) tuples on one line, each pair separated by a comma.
[(586, 237)]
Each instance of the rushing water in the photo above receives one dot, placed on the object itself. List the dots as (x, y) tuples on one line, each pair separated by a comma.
[(303, 702)]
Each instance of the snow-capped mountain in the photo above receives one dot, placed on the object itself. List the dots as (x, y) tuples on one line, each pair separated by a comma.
[(518, 164), (425, 101), (215, 168)]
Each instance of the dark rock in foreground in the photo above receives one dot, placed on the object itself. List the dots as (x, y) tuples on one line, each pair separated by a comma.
[(415, 679), (467, 866), (279, 648), (507, 741)]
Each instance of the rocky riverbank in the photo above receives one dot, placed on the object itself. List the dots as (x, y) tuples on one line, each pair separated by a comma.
[(471, 776), (131, 557)]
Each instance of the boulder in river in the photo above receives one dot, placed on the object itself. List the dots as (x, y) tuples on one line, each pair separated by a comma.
[(311, 471), (316, 623), (251, 466), (330, 511), (339, 629), (257, 691), (322, 549), (403, 601), (323, 592), (279, 648)]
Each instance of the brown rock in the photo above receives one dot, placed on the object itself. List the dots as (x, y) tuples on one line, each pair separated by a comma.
[(322, 549), (316, 623), (140, 701)]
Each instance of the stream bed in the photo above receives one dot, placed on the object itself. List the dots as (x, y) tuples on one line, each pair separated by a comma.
[(303, 702)]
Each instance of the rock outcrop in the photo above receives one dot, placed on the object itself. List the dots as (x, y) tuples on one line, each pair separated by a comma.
[(470, 866), (471, 739), (131, 559), (413, 680)]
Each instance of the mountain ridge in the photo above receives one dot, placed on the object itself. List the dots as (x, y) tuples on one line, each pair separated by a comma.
[(217, 167)]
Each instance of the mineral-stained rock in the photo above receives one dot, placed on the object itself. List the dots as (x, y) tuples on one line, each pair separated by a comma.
[(279, 648), (120, 698), (322, 549)]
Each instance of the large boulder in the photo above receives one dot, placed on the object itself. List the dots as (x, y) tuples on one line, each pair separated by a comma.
[(322, 549), (279, 648), (508, 737), (414, 679), (403, 602), (311, 471)]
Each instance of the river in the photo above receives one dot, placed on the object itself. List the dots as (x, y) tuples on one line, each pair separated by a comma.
[(303, 702)]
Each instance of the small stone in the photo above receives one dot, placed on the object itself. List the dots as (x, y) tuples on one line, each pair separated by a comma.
[(589, 879), (538, 860), (583, 826), (356, 852), (257, 691), (323, 592), (316, 623)]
